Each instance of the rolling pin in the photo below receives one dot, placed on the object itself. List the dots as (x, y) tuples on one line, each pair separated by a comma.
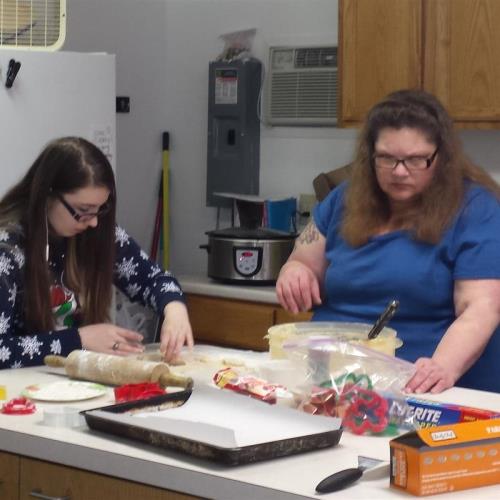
[(116, 370)]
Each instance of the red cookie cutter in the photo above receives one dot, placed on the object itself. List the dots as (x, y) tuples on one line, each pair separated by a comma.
[(367, 412), (132, 392), (18, 406)]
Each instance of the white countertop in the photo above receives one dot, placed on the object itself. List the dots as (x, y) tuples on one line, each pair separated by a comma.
[(293, 477), (203, 285)]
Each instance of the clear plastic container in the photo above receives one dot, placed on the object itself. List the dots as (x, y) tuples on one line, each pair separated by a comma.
[(356, 333)]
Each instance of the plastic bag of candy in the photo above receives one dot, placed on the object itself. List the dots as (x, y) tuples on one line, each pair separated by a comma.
[(255, 387), (362, 386)]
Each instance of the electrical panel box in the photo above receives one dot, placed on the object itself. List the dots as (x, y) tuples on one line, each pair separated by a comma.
[(233, 147)]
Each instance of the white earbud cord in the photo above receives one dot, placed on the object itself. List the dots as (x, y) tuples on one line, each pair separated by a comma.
[(46, 236)]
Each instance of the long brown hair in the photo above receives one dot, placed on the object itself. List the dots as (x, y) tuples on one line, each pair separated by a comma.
[(64, 166), (367, 206)]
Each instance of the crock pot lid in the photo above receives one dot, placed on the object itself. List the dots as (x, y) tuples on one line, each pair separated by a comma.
[(261, 233)]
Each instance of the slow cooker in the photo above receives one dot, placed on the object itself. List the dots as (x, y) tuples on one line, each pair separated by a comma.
[(253, 256)]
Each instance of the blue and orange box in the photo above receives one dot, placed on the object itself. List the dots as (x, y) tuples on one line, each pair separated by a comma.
[(432, 413)]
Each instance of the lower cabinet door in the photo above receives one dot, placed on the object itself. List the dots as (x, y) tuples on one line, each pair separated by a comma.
[(48, 481), (283, 316), (9, 476), (232, 323), (236, 323)]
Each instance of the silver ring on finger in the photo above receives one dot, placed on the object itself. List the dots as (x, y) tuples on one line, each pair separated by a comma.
[(116, 345)]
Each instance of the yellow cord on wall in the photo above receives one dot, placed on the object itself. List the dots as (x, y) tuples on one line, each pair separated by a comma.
[(166, 204)]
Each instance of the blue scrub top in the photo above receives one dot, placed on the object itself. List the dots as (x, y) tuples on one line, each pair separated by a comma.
[(360, 282)]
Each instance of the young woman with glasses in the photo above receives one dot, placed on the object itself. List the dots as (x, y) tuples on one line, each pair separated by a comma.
[(60, 253), (416, 222)]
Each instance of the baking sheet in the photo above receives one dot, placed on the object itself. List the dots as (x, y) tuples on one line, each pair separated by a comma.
[(221, 426)]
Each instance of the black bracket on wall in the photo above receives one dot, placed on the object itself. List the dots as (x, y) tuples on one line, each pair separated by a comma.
[(12, 71), (123, 104)]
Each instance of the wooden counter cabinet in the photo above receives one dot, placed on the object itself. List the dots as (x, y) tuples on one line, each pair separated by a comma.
[(9, 476), (40, 479), (235, 323)]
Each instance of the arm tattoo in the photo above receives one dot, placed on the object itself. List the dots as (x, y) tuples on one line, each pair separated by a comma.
[(309, 235)]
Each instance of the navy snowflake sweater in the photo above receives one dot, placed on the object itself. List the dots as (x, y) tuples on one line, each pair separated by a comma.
[(134, 274)]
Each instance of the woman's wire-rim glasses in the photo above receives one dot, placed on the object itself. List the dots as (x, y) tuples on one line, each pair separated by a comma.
[(410, 162), (83, 217)]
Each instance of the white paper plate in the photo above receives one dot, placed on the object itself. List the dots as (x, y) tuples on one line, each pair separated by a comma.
[(65, 390)]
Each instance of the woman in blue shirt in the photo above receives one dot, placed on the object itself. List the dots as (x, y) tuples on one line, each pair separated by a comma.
[(60, 253), (416, 222)]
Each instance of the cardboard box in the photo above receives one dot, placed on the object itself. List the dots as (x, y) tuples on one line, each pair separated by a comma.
[(447, 458)]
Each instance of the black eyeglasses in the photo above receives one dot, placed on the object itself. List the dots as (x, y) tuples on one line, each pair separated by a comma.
[(84, 217), (410, 162)]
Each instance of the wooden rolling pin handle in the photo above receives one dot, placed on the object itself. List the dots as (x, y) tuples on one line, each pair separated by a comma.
[(170, 379), (55, 361)]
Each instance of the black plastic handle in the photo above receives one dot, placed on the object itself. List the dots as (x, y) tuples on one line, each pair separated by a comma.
[(339, 480), (384, 318)]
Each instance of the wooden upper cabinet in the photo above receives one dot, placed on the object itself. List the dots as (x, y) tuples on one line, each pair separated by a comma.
[(449, 47), (462, 57), (380, 50)]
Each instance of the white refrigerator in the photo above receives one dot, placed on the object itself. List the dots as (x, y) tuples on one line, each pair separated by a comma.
[(54, 94)]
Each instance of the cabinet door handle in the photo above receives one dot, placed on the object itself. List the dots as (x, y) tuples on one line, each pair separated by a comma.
[(39, 494)]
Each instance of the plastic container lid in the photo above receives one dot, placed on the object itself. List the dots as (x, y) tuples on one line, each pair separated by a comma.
[(242, 233), (386, 341)]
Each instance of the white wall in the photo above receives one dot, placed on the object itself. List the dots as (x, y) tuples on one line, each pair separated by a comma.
[(163, 48), (48, 101), (135, 31)]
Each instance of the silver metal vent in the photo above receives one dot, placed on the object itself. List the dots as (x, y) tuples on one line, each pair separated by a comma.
[(302, 87), (318, 57)]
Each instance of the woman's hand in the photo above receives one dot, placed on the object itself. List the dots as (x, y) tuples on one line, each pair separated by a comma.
[(175, 331), (430, 376), (297, 287), (110, 339)]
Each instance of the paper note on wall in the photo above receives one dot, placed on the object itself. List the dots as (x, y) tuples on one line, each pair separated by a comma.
[(102, 137)]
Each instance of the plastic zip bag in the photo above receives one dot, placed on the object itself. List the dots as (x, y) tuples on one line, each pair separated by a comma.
[(362, 386), (237, 45)]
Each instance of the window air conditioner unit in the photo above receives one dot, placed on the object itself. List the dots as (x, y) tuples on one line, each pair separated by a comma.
[(32, 24), (302, 86)]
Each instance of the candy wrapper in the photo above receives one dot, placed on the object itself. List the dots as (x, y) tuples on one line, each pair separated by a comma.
[(362, 386), (257, 388)]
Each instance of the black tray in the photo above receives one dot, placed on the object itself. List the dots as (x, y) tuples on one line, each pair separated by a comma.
[(226, 456)]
